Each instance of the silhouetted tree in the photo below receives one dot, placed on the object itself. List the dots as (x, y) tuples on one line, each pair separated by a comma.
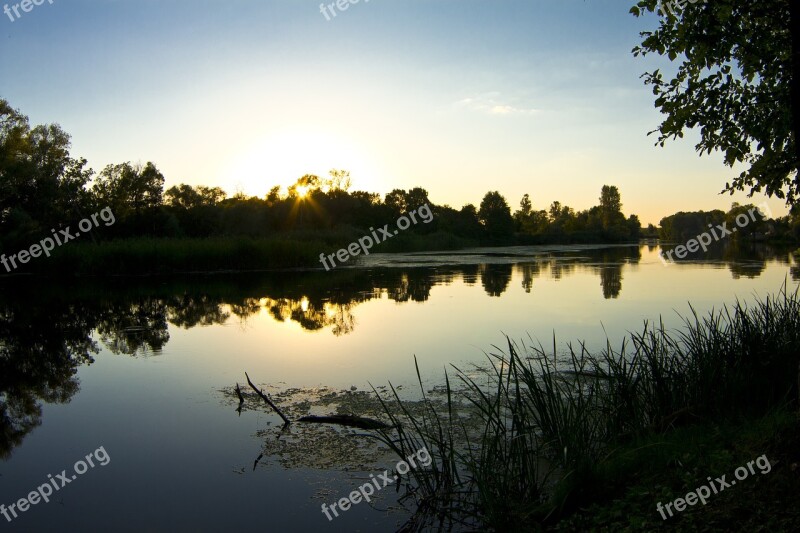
[(416, 198), (396, 201), (40, 184), (338, 180), (495, 215), (610, 206), (129, 189)]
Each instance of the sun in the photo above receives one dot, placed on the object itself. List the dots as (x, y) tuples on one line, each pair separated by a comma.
[(281, 158), (302, 191)]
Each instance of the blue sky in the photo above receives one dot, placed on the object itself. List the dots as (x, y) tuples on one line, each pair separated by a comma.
[(457, 96)]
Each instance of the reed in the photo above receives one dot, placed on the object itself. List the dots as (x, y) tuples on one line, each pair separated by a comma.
[(541, 434), (145, 256)]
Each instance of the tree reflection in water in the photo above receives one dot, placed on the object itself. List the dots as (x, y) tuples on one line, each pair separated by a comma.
[(48, 330), (40, 352)]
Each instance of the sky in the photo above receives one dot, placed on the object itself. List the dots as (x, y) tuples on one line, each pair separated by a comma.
[(459, 97)]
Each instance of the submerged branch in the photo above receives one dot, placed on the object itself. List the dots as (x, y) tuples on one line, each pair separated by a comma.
[(269, 402), (241, 399), (341, 420)]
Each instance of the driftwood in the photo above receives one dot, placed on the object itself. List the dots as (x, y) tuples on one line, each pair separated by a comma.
[(241, 399), (286, 421), (341, 420), (239, 394)]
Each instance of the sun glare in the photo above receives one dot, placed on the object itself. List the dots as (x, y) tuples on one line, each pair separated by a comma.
[(281, 159), (302, 190)]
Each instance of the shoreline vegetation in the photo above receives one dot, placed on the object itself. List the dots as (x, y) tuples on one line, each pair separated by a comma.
[(187, 228), (148, 256), (580, 441), (144, 257), (166, 256)]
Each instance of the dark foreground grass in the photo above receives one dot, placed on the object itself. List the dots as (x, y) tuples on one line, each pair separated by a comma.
[(581, 440), (661, 468), (134, 257)]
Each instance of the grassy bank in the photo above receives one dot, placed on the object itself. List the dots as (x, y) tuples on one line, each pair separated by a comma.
[(661, 468), (595, 441), (163, 256), (148, 256)]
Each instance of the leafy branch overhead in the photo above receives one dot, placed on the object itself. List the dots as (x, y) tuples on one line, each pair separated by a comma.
[(736, 66)]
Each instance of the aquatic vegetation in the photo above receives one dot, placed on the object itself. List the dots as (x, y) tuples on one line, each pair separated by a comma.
[(554, 424)]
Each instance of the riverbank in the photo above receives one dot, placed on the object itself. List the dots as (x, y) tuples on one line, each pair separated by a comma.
[(151, 256), (298, 250), (665, 467), (580, 441)]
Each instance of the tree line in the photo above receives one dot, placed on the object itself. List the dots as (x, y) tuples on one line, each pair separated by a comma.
[(683, 226), (42, 186)]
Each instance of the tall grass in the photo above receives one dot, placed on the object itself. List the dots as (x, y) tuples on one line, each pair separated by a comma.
[(532, 442), (142, 256), (467, 484), (146, 256)]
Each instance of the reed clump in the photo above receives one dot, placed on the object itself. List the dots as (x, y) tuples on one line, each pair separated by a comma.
[(543, 433)]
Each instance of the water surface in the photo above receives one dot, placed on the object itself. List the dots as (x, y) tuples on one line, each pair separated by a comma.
[(145, 369)]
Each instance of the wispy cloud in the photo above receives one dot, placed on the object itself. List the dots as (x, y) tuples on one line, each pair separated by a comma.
[(493, 104)]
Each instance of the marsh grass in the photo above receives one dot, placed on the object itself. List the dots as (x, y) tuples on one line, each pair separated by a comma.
[(157, 256), (146, 256), (546, 431)]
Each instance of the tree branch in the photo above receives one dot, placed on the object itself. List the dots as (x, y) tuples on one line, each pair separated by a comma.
[(269, 402)]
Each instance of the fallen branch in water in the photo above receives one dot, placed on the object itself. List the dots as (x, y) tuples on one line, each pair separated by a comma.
[(255, 463), (241, 399), (269, 402), (341, 420)]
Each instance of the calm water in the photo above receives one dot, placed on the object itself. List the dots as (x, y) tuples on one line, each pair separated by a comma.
[(145, 369)]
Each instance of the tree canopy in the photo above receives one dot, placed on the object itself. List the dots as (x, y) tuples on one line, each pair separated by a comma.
[(737, 81)]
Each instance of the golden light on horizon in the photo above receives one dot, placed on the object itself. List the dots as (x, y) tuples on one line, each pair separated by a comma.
[(282, 158)]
